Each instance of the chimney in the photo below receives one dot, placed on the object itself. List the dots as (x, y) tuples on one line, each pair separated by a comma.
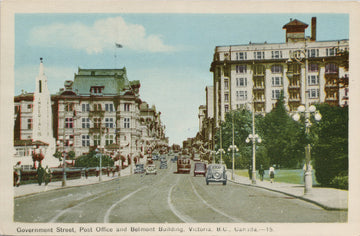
[(313, 29)]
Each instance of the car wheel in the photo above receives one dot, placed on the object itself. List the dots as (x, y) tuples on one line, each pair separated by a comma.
[(224, 183)]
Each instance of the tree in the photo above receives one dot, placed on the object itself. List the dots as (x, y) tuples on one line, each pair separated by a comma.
[(91, 160), (282, 137), (330, 152)]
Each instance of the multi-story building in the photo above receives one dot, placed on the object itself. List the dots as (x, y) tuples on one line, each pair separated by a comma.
[(299, 67), (100, 108)]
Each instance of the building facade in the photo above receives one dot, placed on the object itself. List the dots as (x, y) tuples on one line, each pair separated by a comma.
[(260, 72), (100, 109)]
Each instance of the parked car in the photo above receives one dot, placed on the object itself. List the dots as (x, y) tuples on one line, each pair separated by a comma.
[(163, 164), (183, 165), (151, 169), (216, 173), (200, 169), (139, 169), (155, 157)]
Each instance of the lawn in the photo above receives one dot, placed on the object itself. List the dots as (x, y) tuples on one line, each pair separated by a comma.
[(294, 176)]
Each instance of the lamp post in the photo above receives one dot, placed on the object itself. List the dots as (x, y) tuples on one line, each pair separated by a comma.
[(220, 151), (99, 155), (307, 111), (253, 138), (234, 148), (64, 152)]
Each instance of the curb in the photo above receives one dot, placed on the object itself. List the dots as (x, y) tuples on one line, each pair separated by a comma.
[(295, 196)]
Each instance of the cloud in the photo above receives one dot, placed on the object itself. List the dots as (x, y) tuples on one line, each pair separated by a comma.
[(100, 36)]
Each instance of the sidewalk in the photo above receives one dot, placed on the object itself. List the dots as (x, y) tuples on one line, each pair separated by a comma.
[(327, 198), (27, 189)]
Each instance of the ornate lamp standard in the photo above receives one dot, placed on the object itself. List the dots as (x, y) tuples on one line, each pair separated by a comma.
[(65, 143), (220, 151), (99, 155), (253, 138), (234, 148), (307, 111)]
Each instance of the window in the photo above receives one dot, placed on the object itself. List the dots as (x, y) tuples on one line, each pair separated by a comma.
[(85, 122), (69, 106), (97, 140), (126, 107), (226, 108), (241, 56), (276, 69), (241, 69), (109, 122), (226, 84), (97, 107), (276, 54), (97, 123), (331, 69), (109, 107), (241, 82), (276, 94), (29, 123), (85, 140), (313, 80), (85, 107), (69, 123), (277, 81), (313, 93), (313, 52), (96, 90), (126, 123), (109, 139), (330, 52), (241, 95), (29, 107), (226, 97), (294, 68), (259, 55), (259, 70), (313, 68)]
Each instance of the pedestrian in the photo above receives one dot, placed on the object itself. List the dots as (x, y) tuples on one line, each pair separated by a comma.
[(17, 174), (113, 171), (86, 172), (108, 171), (47, 175), (272, 174), (40, 174), (250, 172), (261, 173)]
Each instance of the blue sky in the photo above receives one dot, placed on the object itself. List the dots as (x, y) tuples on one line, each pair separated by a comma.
[(169, 53)]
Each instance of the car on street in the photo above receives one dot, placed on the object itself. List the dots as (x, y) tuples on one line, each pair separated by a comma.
[(216, 173), (197, 157), (200, 169), (163, 164), (139, 169), (155, 157), (150, 169)]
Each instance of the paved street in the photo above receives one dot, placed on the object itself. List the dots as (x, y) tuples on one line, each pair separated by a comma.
[(167, 198)]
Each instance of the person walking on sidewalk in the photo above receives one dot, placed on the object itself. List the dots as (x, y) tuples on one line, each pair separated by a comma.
[(250, 172), (261, 173), (86, 172), (97, 171), (47, 175), (17, 174), (272, 174), (40, 174)]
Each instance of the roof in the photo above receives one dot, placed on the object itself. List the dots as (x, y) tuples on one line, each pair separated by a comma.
[(295, 23)]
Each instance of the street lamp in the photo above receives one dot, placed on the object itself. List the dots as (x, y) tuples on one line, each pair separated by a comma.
[(99, 155), (233, 147), (307, 111), (65, 141), (253, 138)]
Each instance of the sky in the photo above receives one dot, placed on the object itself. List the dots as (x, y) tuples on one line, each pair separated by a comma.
[(170, 54)]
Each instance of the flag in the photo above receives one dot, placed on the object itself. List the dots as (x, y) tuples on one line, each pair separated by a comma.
[(118, 45)]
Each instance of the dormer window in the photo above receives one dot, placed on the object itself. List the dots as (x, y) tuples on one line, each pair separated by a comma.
[(96, 90)]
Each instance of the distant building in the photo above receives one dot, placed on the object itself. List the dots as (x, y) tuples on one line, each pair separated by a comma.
[(100, 108), (261, 71)]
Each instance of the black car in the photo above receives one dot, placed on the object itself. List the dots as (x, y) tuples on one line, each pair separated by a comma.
[(139, 169), (163, 164), (216, 173)]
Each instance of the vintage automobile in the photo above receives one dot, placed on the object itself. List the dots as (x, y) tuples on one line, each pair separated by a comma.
[(200, 169), (183, 165), (139, 169), (150, 169), (163, 164), (216, 173)]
